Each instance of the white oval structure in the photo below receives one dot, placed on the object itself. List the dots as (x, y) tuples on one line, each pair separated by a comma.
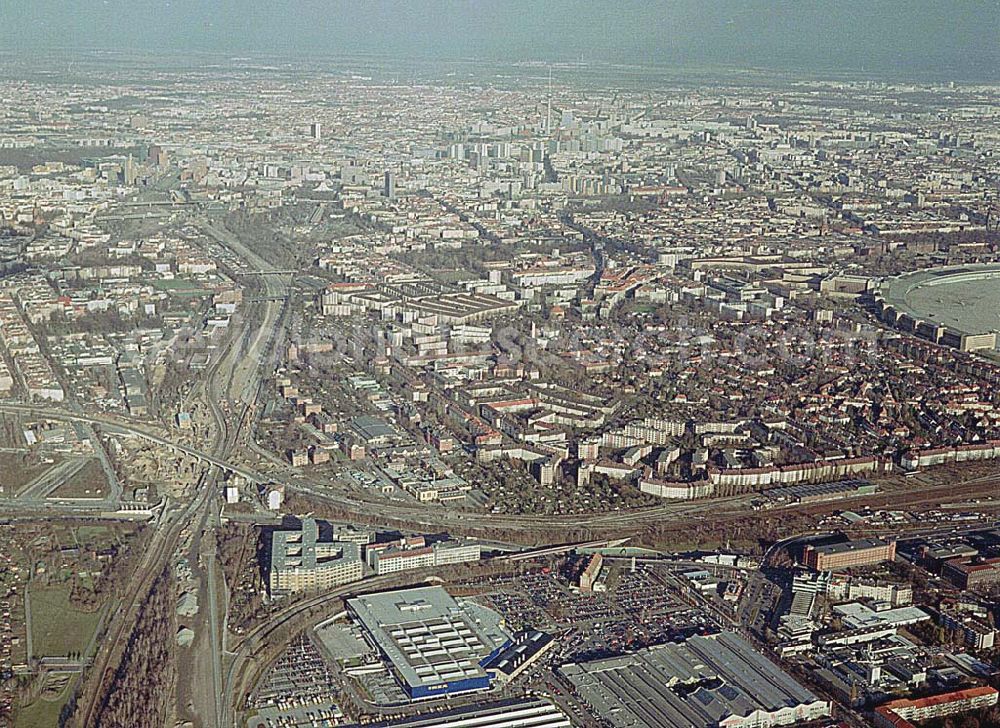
[(958, 306)]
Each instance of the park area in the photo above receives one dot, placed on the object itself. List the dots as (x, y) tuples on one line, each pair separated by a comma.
[(45, 710), (57, 628)]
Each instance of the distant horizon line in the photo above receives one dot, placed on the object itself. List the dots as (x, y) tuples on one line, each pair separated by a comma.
[(944, 75)]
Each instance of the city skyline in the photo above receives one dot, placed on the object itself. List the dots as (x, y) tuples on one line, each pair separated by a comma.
[(517, 365)]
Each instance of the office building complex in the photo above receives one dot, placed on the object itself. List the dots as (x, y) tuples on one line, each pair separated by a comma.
[(300, 562), (973, 573), (848, 554), (590, 573), (392, 560)]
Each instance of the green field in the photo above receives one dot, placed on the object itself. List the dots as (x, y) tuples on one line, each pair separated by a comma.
[(44, 712), (178, 287), (95, 536), (57, 629)]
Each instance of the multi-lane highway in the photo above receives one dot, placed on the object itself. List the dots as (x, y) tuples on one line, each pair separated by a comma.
[(116, 425), (231, 391)]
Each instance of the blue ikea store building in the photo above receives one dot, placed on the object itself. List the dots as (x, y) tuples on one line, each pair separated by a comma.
[(434, 644)]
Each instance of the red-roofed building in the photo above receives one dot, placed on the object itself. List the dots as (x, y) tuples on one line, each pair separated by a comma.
[(972, 573), (904, 713)]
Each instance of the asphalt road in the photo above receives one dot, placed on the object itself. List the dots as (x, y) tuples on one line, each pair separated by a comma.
[(236, 379)]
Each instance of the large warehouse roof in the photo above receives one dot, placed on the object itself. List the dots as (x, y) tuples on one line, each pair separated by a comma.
[(506, 714), (700, 682), (429, 637)]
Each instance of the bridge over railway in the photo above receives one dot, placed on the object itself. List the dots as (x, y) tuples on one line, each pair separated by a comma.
[(268, 272), (109, 425)]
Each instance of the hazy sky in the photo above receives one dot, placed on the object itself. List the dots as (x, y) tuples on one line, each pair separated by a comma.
[(892, 36)]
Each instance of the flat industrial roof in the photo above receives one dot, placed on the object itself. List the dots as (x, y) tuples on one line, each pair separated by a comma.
[(859, 616), (699, 682), (844, 547), (430, 637), (505, 714), (372, 428)]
